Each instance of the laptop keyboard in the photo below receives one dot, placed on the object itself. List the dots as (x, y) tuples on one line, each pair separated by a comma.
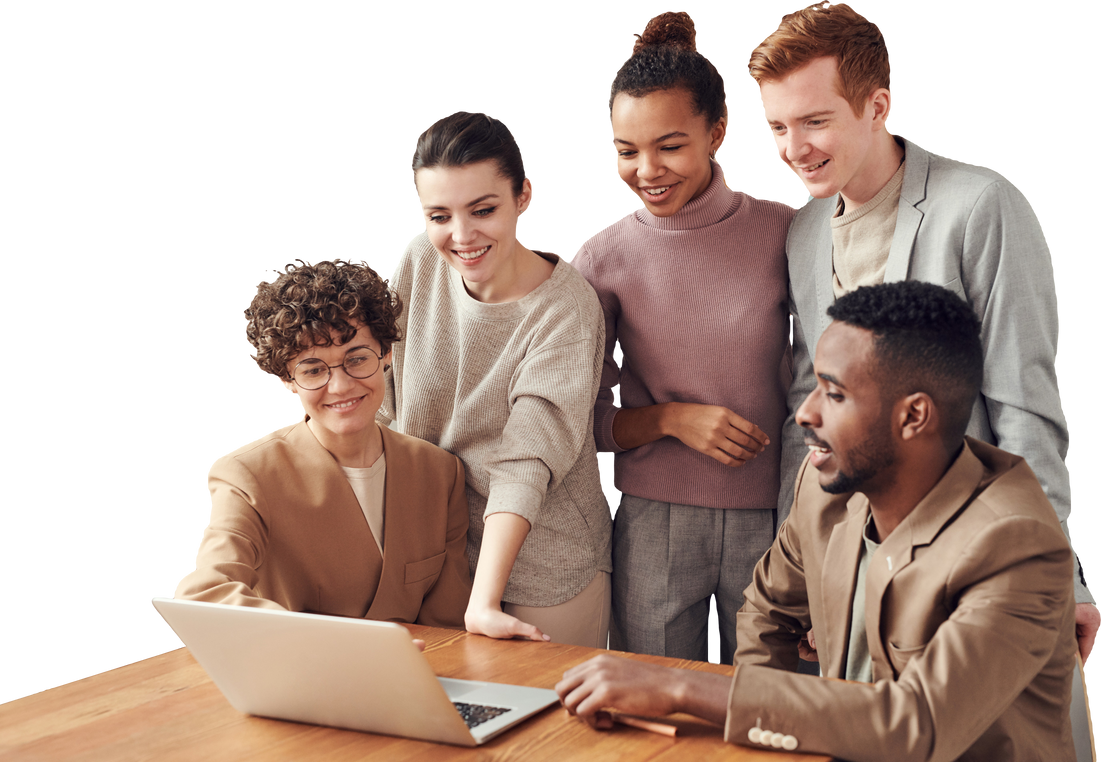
[(475, 714)]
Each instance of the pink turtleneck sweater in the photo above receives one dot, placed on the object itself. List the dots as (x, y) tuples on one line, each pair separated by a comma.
[(699, 304)]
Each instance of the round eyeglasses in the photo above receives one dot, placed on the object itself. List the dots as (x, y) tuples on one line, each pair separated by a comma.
[(312, 374)]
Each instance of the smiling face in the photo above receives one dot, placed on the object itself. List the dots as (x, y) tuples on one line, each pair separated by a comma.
[(345, 408), (830, 148), (664, 148), (470, 215), (848, 428)]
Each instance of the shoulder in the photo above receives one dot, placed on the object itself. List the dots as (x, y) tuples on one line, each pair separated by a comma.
[(418, 262), (602, 253), (417, 452), (767, 211), (809, 221), (933, 181), (1009, 486), (265, 455)]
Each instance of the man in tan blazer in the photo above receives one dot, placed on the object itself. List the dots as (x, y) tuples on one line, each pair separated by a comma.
[(933, 567)]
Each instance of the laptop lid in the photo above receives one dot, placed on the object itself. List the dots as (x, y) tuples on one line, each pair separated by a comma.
[(348, 673)]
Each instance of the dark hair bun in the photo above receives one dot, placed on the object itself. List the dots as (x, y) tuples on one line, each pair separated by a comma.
[(674, 29)]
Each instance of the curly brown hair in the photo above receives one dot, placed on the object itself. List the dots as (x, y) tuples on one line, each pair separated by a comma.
[(307, 304), (822, 30)]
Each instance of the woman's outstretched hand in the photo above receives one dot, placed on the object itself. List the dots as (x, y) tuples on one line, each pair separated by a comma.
[(497, 624)]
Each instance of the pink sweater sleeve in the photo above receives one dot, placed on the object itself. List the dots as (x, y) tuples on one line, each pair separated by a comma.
[(605, 409)]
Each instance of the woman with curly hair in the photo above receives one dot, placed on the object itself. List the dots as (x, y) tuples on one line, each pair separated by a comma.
[(500, 365), (335, 514), (694, 289)]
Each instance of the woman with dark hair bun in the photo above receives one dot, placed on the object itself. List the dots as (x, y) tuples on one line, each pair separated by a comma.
[(694, 289), (500, 366), (335, 514)]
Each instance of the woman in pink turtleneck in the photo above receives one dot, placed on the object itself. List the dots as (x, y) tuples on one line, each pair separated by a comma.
[(694, 288)]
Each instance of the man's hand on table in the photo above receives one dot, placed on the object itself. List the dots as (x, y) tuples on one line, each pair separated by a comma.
[(635, 687), (1086, 621)]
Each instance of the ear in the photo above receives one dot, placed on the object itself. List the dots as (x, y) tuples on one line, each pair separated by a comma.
[(916, 415), (880, 104), (718, 134), (524, 198), (293, 387), (387, 359)]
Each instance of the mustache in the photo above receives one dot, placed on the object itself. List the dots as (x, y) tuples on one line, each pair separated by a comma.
[(810, 438)]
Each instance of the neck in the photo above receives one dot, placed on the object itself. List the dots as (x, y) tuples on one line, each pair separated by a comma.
[(882, 162), (359, 450), (525, 271), (912, 480)]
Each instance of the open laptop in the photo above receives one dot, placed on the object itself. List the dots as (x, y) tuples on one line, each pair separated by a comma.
[(345, 673)]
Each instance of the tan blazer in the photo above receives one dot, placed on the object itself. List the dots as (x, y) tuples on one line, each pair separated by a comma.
[(286, 531), (969, 614)]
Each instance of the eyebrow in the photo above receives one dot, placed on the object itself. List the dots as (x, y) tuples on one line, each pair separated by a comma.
[(811, 115), (833, 380), (475, 202), (661, 139)]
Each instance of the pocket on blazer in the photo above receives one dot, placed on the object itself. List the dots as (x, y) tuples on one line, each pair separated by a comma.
[(418, 571), (900, 656), (956, 287)]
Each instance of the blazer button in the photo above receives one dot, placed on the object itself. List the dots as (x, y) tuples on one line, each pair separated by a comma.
[(754, 735), (766, 737), (777, 740), (789, 743)]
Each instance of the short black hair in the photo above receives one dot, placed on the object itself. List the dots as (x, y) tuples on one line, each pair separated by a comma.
[(665, 58), (464, 138), (926, 339)]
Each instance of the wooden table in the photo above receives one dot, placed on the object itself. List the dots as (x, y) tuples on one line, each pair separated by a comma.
[(166, 708)]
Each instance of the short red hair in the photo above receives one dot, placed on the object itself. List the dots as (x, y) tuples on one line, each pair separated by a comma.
[(822, 30)]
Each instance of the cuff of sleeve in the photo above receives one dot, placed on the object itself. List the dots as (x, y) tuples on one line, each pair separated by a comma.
[(515, 497), (603, 418)]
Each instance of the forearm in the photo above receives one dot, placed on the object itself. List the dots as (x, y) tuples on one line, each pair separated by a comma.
[(701, 694), (637, 426), (502, 538)]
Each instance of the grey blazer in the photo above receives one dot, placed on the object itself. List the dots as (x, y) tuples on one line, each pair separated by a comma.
[(968, 229)]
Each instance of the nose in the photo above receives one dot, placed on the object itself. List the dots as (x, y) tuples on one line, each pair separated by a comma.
[(808, 413), (463, 232), (793, 145), (650, 166), (339, 380)]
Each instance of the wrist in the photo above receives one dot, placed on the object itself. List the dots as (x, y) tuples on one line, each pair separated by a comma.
[(666, 420)]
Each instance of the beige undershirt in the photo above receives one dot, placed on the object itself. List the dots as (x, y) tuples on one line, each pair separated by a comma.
[(369, 485), (858, 665), (862, 238)]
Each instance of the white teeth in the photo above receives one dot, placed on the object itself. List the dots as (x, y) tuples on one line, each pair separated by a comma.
[(472, 254), (656, 191), (819, 448), (813, 167), (342, 405)]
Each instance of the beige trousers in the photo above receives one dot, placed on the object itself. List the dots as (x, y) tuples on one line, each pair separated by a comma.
[(581, 621)]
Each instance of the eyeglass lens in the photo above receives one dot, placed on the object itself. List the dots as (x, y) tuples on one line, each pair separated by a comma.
[(313, 373)]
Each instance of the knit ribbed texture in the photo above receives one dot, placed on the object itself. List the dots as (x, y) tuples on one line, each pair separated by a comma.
[(699, 304), (862, 238), (509, 388)]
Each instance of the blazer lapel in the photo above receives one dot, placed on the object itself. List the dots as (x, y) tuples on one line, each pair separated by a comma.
[(823, 275), (921, 527), (392, 579), (914, 180), (839, 583)]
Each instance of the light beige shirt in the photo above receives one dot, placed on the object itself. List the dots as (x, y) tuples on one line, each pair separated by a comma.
[(369, 485), (862, 238)]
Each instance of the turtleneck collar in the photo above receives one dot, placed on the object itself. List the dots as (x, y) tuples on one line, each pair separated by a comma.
[(715, 204)]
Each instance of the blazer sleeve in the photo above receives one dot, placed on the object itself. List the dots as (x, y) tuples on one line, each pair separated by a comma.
[(1008, 278), (1011, 605), (776, 612), (235, 542), (792, 448), (444, 605)]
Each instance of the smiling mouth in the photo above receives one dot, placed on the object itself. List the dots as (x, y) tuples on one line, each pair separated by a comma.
[(469, 255), (655, 192), (813, 167), (345, 404)]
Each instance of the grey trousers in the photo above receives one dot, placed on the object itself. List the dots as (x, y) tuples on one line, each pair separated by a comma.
[(668, 560)]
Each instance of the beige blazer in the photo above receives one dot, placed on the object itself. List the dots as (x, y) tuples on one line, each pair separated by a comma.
[(969, 615), (286, 531)]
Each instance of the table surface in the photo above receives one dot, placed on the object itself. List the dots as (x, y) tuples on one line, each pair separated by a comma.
[(166, 708)]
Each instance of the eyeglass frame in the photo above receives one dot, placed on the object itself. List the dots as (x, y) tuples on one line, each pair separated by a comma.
[(329, 368)]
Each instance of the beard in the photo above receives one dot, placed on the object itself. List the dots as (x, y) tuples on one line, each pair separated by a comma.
[(865, 461)]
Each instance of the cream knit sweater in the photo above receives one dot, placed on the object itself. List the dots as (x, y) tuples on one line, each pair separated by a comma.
[(509, 388)]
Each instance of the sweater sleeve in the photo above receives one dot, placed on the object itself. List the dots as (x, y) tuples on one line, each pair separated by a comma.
[(605, 409), (234, 544), (547, 425)]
